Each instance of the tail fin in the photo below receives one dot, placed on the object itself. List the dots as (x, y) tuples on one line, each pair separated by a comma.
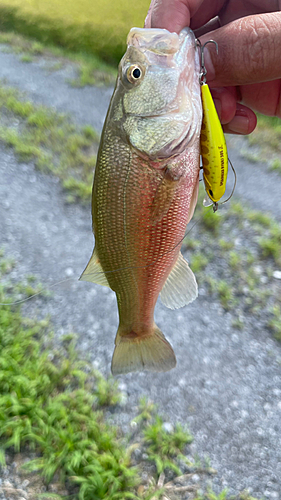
[(142, 352)]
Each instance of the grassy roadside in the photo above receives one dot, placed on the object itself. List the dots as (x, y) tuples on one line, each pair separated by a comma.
[(51, 140), (265, 143), (56, 408), (91, 70), (98, 28), (236, 257)]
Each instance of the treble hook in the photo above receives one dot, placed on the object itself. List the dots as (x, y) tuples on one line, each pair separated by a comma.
[(203, 72)]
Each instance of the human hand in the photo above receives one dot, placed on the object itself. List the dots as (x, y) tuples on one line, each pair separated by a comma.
[(247, 68)]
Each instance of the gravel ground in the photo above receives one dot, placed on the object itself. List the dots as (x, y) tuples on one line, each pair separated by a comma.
[(227, 384)]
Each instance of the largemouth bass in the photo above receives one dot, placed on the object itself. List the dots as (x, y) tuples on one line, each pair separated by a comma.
[(145, 191)]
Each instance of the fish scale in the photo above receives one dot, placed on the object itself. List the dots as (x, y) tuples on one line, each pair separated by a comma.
[(145, 190)]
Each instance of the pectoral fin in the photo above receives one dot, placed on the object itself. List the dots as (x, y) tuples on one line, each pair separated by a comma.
[(163, 197), (94, 272), (180, 287)]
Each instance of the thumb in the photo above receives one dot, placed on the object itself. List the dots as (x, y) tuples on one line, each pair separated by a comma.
[(248, 51)]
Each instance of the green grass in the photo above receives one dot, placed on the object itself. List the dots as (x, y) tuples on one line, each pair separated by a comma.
[(225, 245), (211, 221), (91, 70), (26, 58), (224, 291), (271, 244), (276, 165), (210, 495), (251, 157), (198, 262), (51, 141), (51, 407), (275, 322), (234, 260), (268, 132), (163, 447), (260, 219), (267, 136), (99, 27), (54, 404)]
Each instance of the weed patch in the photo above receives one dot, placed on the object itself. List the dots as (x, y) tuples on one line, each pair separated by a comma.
[(271, 244), (53, 406), (97, 28), (275, 322), (91, 70), (51, 141), (266, 137)]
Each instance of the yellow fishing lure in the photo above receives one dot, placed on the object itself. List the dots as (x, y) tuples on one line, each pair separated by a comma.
[(213, 146)]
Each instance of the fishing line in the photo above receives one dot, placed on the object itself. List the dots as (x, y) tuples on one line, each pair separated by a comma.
[(36, 294), (107, 272), (213, 207)]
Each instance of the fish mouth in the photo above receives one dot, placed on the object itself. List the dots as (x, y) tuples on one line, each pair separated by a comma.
[(159, 41)]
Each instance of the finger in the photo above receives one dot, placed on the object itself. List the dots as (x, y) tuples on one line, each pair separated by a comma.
[(235, 118), (225, 102), (173, 15), (243, 122), (208, 10), (229, 10), (147, 22), (263, 97), (213, 24), (249, 51), (177, 14)]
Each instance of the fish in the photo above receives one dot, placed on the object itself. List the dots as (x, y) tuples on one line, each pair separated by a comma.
[(145, 190)]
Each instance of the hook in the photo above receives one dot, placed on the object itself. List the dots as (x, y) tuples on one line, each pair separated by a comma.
[(203, 72)]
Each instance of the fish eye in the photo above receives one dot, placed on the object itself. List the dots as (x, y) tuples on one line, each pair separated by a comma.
[(134, 73)]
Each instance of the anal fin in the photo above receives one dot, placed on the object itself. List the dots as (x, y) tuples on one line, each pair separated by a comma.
[(94, 272), (180, 287)]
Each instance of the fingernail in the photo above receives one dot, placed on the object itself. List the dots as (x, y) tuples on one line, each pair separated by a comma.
[(239, 124)]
